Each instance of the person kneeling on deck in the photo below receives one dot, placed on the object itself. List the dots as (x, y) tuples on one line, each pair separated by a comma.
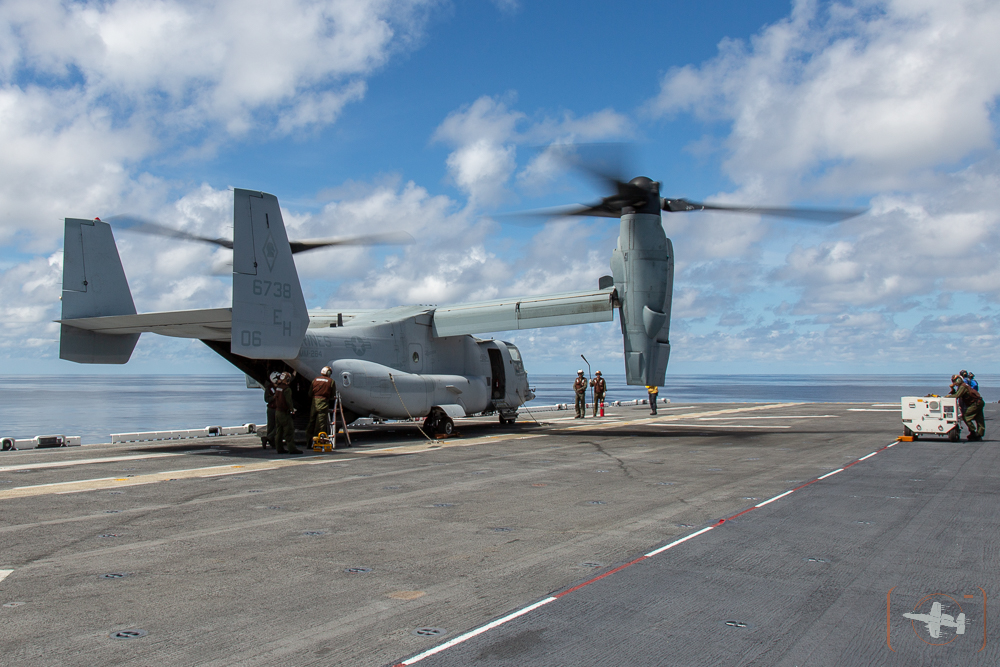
[(971, 404), (284, 408), (322, 390), (580, 387)]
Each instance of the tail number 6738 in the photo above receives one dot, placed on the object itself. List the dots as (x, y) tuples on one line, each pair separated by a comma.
[(276, 289)]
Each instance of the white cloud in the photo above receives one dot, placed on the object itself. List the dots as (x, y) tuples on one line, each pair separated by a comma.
[(486, 134), (883, 100), (89, 91), (880, 88)]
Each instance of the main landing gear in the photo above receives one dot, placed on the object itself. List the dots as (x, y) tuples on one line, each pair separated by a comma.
[(439, 422)]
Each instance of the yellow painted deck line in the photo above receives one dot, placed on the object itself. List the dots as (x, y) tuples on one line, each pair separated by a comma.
[(80, 462), (119, 482), (272, 464), (654, 419)]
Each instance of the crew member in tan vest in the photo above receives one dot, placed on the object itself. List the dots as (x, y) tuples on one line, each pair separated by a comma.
[(322, 391), (600, 388), (580, 389)]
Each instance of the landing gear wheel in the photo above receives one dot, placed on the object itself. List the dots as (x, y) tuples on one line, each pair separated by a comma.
[(447, 426), (954, 435), (430, 425)]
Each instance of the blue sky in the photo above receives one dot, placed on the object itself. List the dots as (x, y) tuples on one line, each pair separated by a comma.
[(433, 116)]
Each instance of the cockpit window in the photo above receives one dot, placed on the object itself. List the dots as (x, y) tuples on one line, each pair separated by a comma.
[(515, 358)]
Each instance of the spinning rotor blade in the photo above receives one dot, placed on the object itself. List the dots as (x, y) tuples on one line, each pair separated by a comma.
[(606, 162), (814, 214), (136, 224), (388, 238)]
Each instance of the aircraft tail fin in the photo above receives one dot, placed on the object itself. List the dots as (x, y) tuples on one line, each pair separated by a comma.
[(94, 285), (269, 309)]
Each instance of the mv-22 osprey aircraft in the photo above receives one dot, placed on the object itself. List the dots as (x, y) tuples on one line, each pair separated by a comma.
[(408, 361)]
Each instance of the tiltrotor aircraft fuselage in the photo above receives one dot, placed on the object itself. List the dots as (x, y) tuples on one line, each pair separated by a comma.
[(410, 361)]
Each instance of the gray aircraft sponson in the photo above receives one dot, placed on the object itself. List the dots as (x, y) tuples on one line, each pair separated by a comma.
[(410, 361)]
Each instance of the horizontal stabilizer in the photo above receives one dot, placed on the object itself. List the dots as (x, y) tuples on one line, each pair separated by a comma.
[(206, 324)]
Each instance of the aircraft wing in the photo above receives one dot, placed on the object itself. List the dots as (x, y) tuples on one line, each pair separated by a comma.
[(205, 324), (528, 312)]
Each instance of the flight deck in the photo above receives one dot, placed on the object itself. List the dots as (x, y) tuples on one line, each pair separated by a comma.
[(744, 534)]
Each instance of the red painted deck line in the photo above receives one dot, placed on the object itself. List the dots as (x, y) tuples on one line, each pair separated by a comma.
[(552, 598)]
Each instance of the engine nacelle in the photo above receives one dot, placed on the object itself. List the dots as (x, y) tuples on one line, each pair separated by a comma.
[(643, 270)]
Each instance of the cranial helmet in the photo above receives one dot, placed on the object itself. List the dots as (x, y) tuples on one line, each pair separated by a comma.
[(275, 376), (327, 371), (286, 377), (597, 373), (956, 379), (580, 372)]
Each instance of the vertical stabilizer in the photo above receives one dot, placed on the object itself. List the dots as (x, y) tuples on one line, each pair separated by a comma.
[(94, 285), (269, 310)]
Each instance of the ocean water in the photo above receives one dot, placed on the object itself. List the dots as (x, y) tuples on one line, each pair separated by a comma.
[(94, 406)]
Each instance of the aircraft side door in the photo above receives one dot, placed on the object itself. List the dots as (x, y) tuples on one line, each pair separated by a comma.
[(498, 375)]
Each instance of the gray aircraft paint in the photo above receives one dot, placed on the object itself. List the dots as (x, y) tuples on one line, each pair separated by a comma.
[(269, 311), (373, 360), (643, 269), (393, 363), (94, 284)]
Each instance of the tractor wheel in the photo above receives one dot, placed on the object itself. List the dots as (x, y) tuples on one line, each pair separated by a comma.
[(954, 435), (907, 431)]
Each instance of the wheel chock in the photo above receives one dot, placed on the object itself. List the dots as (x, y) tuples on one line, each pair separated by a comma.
[(905, 438)]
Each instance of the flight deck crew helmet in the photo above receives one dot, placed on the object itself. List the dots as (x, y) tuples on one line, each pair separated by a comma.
[(964, 374), (580, 372), (956, 379), (597, 373), (275, 376), (327, 371)]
